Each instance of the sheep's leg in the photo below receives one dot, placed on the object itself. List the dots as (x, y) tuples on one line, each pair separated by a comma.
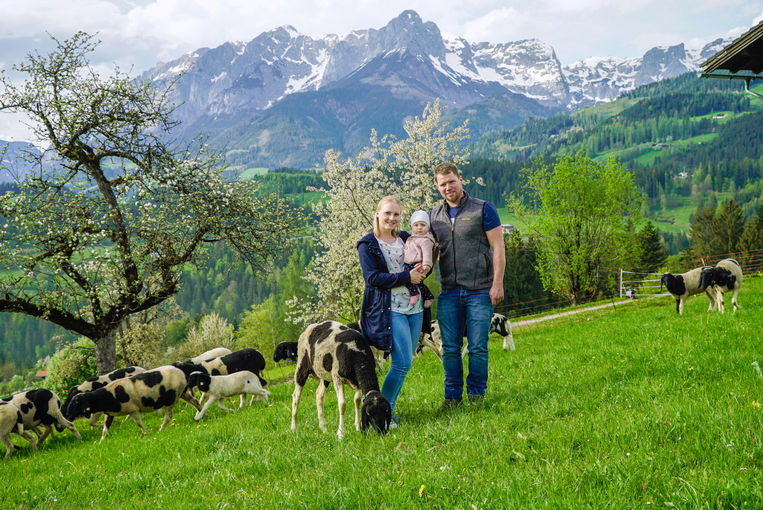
[(167, 416), (711, 297), (221, 404), (243, 401), (737, 306), (508, 341), (358, 398), (295, 404), (188, 397), (107, 421), (339, 389), (29, 437), (202, 397), (211, 400), (320, 393), (680, 304), (94, 419), (44, 435), (9, 448), (67, 424)]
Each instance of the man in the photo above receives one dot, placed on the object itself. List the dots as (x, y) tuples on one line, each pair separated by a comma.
[(472, 261)]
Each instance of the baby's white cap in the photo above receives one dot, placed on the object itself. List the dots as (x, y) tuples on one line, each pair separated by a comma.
[(420, 216)]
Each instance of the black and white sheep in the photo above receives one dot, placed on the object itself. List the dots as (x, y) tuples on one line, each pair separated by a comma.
[(42, 407), (12, 421), (217, 387), (237, 361), (212, 353), (683, 285), (726, 276), (159, 388), (93, 383), (285, 350), (333, 352)]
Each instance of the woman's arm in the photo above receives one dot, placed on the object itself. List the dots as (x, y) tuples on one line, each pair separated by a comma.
[(375, 276)]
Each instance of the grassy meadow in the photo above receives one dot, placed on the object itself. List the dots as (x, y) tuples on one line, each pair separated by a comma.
[(623, 407)]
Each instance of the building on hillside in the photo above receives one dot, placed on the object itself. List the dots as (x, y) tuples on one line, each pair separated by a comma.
[(741, 60)]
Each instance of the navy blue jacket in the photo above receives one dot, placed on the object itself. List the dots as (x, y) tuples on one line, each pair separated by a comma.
[(376, 312)]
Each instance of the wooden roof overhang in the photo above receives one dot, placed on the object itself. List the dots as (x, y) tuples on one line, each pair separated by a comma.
[(742, 59)]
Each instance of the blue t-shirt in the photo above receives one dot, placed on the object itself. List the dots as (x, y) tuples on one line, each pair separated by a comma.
[(490, 219)]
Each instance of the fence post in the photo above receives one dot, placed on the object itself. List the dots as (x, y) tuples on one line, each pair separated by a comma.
[(621, 283)]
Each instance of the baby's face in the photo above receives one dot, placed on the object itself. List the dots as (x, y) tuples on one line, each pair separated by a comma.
[(420, 228)]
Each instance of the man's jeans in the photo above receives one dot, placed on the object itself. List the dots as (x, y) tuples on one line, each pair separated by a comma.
[(456, 309)]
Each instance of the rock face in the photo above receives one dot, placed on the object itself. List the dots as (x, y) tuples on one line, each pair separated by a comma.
[(225, 89)]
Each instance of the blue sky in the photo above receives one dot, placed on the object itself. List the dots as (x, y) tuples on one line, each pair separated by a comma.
[(136, 34)]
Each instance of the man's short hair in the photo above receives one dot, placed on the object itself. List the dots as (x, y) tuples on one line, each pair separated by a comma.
[(446, 168)]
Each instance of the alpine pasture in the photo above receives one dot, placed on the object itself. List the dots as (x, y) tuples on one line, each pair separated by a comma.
[(626, 406)]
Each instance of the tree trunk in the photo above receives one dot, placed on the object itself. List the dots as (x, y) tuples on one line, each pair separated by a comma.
[(106, 352)]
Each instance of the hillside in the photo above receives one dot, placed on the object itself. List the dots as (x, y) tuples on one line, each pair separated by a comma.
[(628, 406), (690, 143)]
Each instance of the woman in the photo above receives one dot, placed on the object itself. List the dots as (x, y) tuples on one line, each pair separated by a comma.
[(387, 318)]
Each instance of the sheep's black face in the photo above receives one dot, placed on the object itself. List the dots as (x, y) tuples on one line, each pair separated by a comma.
[(77, 407), (376, 412)]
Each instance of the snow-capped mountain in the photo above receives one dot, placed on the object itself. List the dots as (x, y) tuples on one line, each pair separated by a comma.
[(240, 84)]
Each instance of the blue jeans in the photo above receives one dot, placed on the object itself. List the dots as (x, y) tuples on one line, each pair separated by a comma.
[(405, 337), (458, 308)]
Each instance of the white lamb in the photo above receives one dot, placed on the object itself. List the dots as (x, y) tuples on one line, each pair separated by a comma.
[(217, 387)]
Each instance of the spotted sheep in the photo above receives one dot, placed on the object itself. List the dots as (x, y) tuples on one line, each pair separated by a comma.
[(333, 352), (726, 276), (217, 387), (42, 408), (12, 421), (159, 388), (93, 383), (237, 361), (683, 285)]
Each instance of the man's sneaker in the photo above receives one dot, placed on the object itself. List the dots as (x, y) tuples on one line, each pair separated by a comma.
[(450, 403), (476, 399)]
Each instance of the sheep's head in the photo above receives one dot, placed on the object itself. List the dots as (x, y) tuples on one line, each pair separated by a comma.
[(79, 406), (665, 280), (200, 379), (376, 412), (706, 278)]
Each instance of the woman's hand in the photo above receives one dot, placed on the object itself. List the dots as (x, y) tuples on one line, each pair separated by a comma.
[(417, 275)]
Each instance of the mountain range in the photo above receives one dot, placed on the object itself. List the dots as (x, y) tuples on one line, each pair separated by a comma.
[(284, 98)]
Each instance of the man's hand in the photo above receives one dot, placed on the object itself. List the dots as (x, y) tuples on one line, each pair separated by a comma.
[(496, 292)]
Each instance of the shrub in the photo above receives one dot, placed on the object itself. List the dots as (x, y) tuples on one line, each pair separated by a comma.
[(70, 365)]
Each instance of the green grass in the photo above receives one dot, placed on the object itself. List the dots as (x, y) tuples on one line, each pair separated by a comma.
[(617, 408)]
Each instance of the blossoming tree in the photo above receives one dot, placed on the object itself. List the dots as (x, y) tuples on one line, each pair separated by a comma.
[(106, 218), (354, 186)]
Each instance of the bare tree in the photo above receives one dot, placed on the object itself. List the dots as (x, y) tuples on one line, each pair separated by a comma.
[(107, 217)]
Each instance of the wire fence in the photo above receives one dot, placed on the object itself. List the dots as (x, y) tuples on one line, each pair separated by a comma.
[(634, 283)]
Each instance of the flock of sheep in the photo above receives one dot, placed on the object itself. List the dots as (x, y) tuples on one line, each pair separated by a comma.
[(131, 391), (715, 281), (330, 351)]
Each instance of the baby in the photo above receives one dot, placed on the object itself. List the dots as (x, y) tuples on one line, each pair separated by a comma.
[(420, 248)]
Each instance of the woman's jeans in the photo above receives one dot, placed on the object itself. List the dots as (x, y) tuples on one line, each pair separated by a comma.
[(458, 309), (405, 338)]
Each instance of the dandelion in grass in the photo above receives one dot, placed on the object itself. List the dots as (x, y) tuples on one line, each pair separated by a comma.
[(755, 404)]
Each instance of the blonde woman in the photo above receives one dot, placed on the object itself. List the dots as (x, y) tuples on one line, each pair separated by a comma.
[(388, 319)]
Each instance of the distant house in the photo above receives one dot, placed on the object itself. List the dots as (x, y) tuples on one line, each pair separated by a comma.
[(42, 374), (683, 175), (508, 228), (660, 145)]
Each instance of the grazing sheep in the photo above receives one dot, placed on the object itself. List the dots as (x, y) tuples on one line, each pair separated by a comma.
[(333, 352), (42, 407), (212, 353), (686, 284), (155, 389), (12, 421), (93, 383), (285, 350), (221, 386), (724, 277), (245, 359)]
